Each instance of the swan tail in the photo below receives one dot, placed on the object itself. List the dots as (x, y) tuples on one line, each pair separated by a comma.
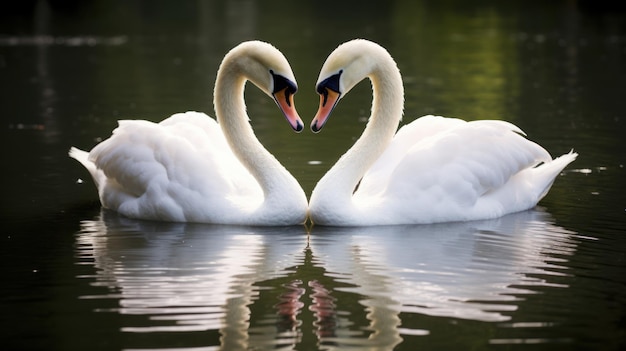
[(546, 173), (83, 157), (80, 156)]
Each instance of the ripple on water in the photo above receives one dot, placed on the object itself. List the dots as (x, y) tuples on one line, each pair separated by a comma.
[(183, 277), (473, 270), (351, 287)]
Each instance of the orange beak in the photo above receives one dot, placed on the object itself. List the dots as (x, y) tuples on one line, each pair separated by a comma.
[(284, 100), (328, 100)]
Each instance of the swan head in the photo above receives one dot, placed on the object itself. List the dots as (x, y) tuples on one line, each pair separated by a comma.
[(268, 69), (345, 67)]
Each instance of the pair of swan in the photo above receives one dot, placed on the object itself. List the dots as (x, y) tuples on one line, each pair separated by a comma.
[(192, 168)]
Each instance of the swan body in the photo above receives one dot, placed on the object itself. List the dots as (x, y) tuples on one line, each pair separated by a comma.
[(433, 169), (192, 168)]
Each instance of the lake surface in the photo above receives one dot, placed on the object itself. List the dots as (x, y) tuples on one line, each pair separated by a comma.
[(76, 277)]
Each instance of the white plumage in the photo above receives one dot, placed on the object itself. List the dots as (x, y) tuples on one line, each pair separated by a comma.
[(189, 168), (433, 169)]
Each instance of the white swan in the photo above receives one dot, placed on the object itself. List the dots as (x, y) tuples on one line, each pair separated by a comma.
[(434, 169), (188, 169)]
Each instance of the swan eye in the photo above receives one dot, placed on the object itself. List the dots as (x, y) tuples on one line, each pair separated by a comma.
[(331, 83), (281, 83)]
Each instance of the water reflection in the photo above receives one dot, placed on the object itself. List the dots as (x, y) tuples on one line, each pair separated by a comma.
[(337, 288), (473, 270), (185, 278)]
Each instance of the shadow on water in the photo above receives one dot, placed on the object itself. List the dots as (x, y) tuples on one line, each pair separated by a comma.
[(243, 287)]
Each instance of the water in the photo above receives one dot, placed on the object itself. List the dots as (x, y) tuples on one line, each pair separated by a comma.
[(76, 277)]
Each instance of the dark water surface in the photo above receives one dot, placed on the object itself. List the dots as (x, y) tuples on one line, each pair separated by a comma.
[(76, 277)]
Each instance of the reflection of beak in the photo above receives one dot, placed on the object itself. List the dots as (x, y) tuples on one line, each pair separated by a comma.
[(328, 100), (284, 99)]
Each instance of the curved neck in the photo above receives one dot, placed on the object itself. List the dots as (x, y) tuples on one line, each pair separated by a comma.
[(231, 115), (387, 107)]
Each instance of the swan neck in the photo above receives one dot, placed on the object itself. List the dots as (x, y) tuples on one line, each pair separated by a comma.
[(230, 110), (386, 113)]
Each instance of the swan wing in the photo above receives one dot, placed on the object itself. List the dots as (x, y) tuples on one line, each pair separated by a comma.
[(407, 136), (180, 169), (467, 170)]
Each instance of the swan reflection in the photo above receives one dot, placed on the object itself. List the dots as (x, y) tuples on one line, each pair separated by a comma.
[(337, 288), (185, 277), (470, 270)]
